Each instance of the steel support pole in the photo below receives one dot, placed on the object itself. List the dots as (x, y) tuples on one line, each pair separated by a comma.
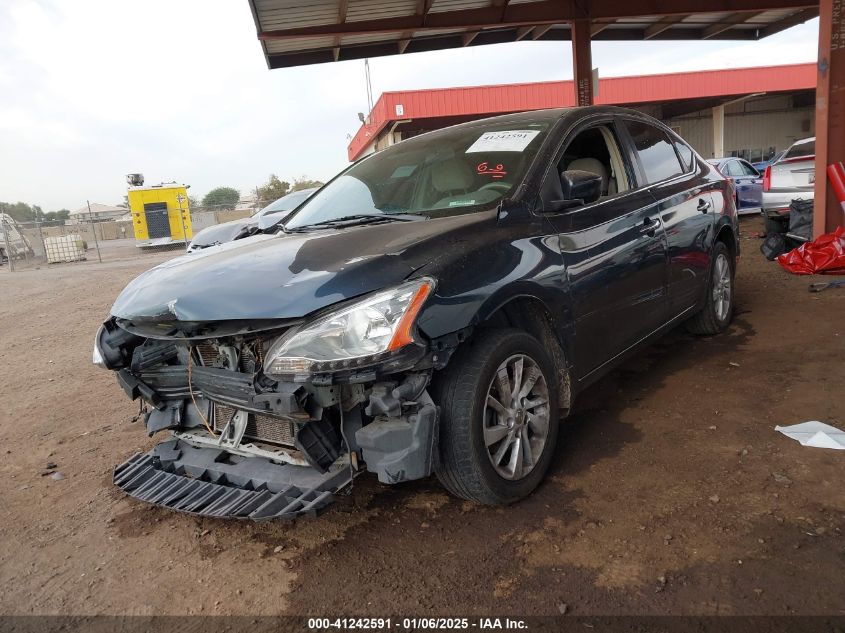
[(6, 228), (830, 113), (718, 131), (94, 231), (582, 62)]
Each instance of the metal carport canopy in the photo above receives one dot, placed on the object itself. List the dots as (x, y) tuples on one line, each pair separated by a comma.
[(299, 32)]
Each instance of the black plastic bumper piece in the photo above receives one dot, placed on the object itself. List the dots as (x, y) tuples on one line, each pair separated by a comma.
[(213, 483)]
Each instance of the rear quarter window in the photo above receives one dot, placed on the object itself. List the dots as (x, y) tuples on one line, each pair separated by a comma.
[(685, 152)]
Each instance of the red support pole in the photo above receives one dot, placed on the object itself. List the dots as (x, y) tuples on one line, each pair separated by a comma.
[(830, 113), (582, 62)]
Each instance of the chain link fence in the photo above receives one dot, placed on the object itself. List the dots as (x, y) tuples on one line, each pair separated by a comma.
[(91, 237)]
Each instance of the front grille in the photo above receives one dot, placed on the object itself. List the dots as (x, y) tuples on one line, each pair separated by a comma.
[(262, 428)]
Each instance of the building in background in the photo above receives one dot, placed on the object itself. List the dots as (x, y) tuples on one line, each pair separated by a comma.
[(98, 213), (759, 111)]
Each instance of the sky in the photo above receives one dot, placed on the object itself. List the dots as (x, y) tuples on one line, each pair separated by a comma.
[(95, 89)]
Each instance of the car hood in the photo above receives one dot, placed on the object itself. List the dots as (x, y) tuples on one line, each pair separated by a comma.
[(286, 276)]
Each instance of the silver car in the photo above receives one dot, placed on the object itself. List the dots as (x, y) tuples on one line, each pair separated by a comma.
[(267, 217), (792, 176)]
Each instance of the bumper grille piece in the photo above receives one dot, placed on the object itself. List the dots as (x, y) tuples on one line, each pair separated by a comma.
[(262, 428), (210, 482)]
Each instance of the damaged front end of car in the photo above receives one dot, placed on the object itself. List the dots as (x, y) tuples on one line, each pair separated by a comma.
[(269, 418)]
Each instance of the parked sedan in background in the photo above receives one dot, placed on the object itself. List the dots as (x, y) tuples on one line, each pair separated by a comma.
[(792, 176), (761, 166), (270, 215), (747, 182)]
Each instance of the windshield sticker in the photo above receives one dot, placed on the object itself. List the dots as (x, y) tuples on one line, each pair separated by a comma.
[(461, 203), (505, 141), (496, 171), (403, 171)]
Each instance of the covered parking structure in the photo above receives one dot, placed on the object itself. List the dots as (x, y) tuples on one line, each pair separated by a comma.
[(294, 32), (759, 110)]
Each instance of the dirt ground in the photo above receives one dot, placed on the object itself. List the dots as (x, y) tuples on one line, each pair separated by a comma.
[(671, 492)]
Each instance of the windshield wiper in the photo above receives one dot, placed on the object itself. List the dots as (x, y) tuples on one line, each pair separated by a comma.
[(356, 220)]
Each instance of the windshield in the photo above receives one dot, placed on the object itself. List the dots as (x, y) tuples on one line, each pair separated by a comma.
[(456, 170)]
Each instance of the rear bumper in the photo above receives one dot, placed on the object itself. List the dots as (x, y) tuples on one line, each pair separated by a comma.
[(778, 201)]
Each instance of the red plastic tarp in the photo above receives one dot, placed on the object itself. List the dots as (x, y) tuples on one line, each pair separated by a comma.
[(825, 255)]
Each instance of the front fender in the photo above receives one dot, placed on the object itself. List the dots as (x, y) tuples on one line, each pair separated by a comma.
[(480, 282)]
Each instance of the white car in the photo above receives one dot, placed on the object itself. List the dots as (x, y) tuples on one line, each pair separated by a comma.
[(792, 176)]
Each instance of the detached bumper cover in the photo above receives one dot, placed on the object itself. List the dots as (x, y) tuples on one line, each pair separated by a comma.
[(213, 483)]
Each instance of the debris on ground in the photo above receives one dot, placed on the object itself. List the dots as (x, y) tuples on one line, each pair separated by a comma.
[(825, 254), (815, 434)]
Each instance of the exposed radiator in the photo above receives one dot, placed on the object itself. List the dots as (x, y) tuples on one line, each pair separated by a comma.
[(262, 428)]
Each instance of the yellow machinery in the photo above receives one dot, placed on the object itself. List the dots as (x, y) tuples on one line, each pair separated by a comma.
[(160, 213)]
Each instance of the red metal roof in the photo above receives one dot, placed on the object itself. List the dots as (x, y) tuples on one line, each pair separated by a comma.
[(500, 99)]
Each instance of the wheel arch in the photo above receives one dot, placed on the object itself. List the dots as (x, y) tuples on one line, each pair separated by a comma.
[(725, 234), (531, 314)]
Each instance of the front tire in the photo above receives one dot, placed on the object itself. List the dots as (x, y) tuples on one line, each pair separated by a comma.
[(498, 417), (717, 312)]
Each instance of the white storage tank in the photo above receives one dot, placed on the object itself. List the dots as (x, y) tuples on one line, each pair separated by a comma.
[(66, 248)]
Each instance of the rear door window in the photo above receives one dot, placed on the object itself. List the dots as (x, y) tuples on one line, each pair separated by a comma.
[(657, 155)]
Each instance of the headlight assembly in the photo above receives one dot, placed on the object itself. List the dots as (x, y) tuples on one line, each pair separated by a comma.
[(97, 356), (381, 323)]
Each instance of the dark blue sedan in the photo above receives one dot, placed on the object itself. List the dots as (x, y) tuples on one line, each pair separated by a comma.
[(747, 183)]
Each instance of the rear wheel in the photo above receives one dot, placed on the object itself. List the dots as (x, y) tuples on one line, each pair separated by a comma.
[(717, 312), (498, 417)]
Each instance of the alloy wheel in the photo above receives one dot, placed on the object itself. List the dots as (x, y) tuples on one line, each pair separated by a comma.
[(516, 417), (722, 287)]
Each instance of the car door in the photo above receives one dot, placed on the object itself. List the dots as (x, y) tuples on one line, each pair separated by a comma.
[(685, 206), (614, 253), (749, 185)]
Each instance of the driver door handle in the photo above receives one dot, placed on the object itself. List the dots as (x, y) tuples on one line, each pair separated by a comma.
[(649, 226), (704, 205)]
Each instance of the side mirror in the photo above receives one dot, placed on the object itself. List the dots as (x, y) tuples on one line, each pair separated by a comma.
[(580, 185), (579, 188)]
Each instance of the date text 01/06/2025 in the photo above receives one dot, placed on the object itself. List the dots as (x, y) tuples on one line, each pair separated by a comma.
[(414, 624)]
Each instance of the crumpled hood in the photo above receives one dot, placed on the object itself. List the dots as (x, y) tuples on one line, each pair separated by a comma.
[(283, 276)]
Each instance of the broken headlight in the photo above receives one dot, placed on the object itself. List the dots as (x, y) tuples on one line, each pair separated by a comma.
[(380, 323)]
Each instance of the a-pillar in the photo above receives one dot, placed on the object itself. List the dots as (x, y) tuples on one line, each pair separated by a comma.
[(830, 113), (582, 62)]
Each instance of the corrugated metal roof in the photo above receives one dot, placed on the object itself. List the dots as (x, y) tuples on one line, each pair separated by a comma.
[(296, 32), (501, 99)]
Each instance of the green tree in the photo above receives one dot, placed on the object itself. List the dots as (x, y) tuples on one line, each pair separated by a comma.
[(272, 190), (20, 211), (224, 197), (61, 214), (303, 182), (193, 203)]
